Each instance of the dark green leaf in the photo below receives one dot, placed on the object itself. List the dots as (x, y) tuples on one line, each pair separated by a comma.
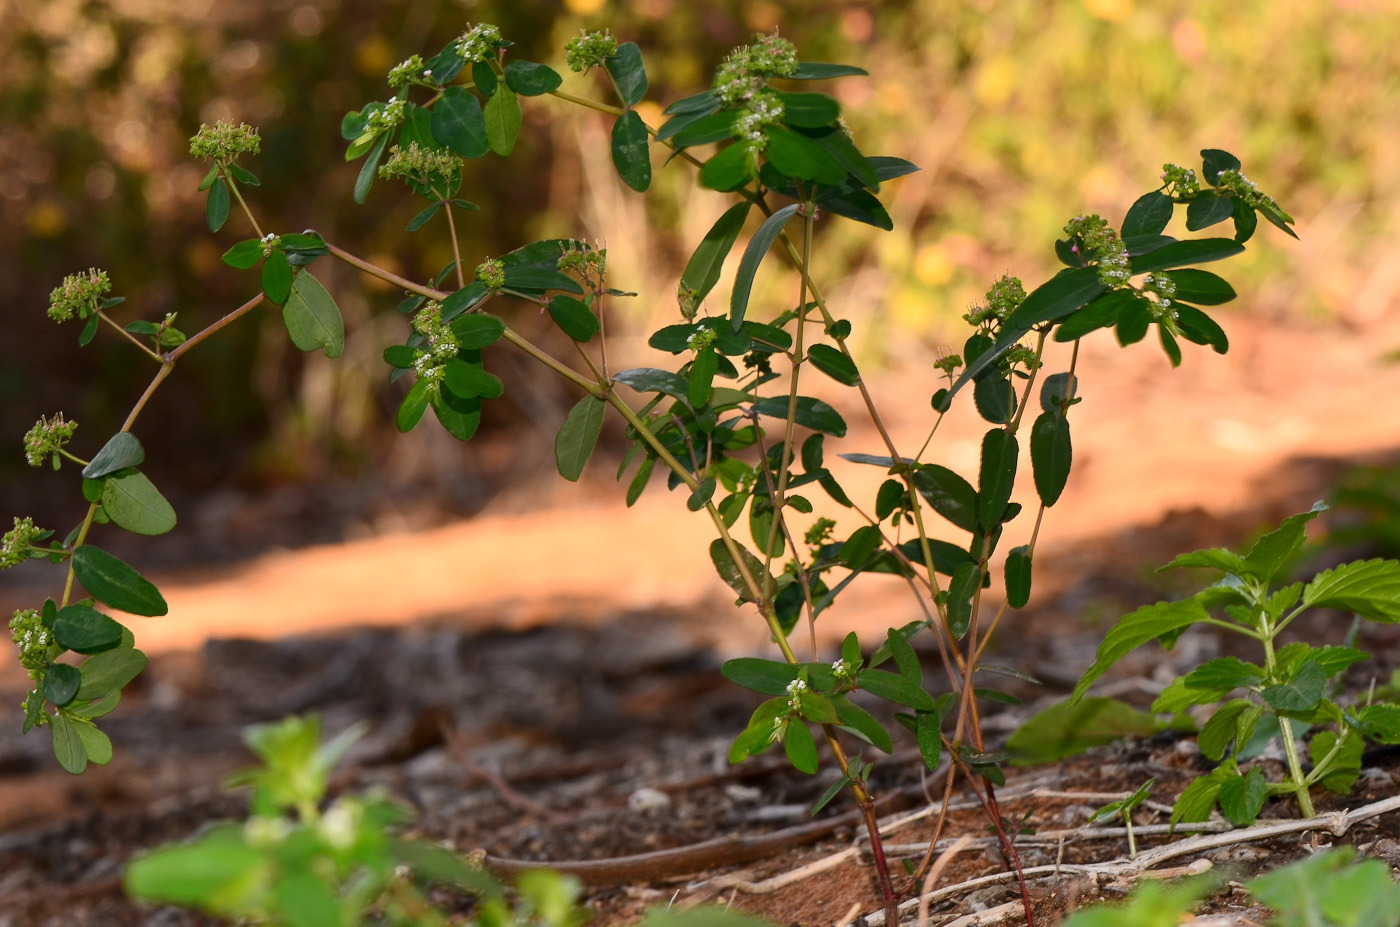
[(1200, 328), (814, 70), (728, 169), (702, 494), (628, 73), (630, 153), (704, 101), (277, 277), (994, 397), (122, 450), (809, 110), (477, 330), (1300, 693), (1182, 253), (574, 317), (1224, 673), (1135, 629), (768, 677), (528, 279), (950, 495), (748, 265), (1133, 322), (460, 416), (365, 179), (653, 380), (834, 363), (470, 380), (457, 122), (1246, 221), (578, 435), (1056, 390), (967, 579), (810, 413), (1018, 577), (411, 410), (702, 376), (801, 747), (530, 79), (1103, 312), (313, 319), (1052, 455), (801, 158), (639, 482), (703, 269), (893, 687), (484, 76), (84, 629), (1071, 727), (996, 476), (1214, 160), (216, 207), (61, 682), (856, 550), (1169, 345), (729, 571), (904, 656), (1148, 215), (111, 581), (890, 498), (245, 254), (420, 220), (1207, 209), (133, 503), (502, 115), (702, 129), (89, 330)]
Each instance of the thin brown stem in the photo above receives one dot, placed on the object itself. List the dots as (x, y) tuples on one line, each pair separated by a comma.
[(229, 319), (456, 249), (233, 186), (129, 337)]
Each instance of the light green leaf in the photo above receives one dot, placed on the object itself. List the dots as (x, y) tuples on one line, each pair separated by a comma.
[(1071, 727), (111, 581), (577, 436), (1369, 588), (96, 744), (109, 671), (218, 872), (312, 317), (503, 118), (133, 503), (1134, 630), (801, 747), (67, 744)]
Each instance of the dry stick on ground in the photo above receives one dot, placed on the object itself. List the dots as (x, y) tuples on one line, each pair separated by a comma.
[(1336, 823), (458, 749)]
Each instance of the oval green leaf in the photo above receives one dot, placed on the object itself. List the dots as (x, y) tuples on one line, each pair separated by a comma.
[(810, 413), (277, 277), (411, 410), (996, 476), (531, 79), (109, 671), (950, 495), (628, 73), (122, 450), (801, 747), (1052, 455), (574, 317), (133, 503), (458, 123), (1018, 577), (577, 437), (67, 745), (216, 207), (111, 581), (84, 629), (630, 152), (503, 118), (1148, 215), (61, 682), (893, 687), (834, 363), (313, 319)]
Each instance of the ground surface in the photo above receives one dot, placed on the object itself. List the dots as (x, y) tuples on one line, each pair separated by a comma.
[(542, 680)]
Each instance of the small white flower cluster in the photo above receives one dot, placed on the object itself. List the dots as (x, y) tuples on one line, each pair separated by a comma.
[(439, 344), (479, 42), (407, 70), (1105, 246), (32, 639), (841, 669), (391, 115), (762, 110), (340, 825), (1181, 181), (1164, 288), (746, 71), (269, 243), (46, 437), (700, 339), (794, 692), (1247, 190), (262, 830)]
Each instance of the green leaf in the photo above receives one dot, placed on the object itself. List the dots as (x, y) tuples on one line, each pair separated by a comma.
[(728, 169), (994, 397), (460, 416), (639, 482), (411, 410), (121, 451), (702, 376), (654, 380), (834, 364), (1200, 328), (768, 677), (540, 278), (96, 744), (133, 503), (368, 170), (484, 77), (530, 79), (1052, 455), (108, 671), (457, 122), (313, 319), (503, 118), (89, 330), (304, 899), (1327, 888), (1148, 215), (809, 110), (810, 413), (1071, 727), (111, 581), (217, 872), (753, 255), (729, 571), (893, 687), (996, 476), (1213, 161), (863, 723), (61, 682), (801, 747), (817, 708), (1018, 577), (1369, 588), (702, 494), (698, 129), (630, 152), (67, 744), (1133, 322), (1246, 221), (1134, 630), (1102, 312), (574, 317), (277, 277), (216, 207), (1207, 209), (244, 255), (578, 435), (1224, 727), (477, 330), (1301, 693), (949, 494), (1224, 673), (1380, 722), (1242, 797), (628, 73), (468, 380), (1201, 287), (904, 656), (1341, 773), (1181, 253), (815, 70), (84, 629), (800, 158), (421, 219), (967, 579), (1196, 802), (703, 269)]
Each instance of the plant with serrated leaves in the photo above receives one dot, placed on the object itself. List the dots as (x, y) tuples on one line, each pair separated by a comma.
[(1291, 693), (731, 420), (1124, 808)]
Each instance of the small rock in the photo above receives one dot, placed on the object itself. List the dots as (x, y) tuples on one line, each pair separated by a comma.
[(646, 800)]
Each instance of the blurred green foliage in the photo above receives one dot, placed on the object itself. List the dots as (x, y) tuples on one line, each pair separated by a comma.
[(1020, 112)]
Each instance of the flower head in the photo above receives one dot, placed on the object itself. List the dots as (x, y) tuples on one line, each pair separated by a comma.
[(384, 117), (1245, 189), (15, 545), (33, 640), (1103, 244), (479, 42), (1181, 181), (405, 71), (416, 164), (439, 344), (46, 437), (748, 68), (78, 294), (589, 50), (492, 273), (225, 141), (701, 338)]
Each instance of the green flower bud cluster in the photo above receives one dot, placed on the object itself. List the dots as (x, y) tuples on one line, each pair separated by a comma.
[(701, 339), (949, 363), (32, 639), (417, 164), (585, 261), (748, 68), (15, 544), (1181, 182), (225, 141), (1164, 288), (1247, 190), (479, 42), (842, 670), (820, 532), (1002, 299), (439, 343), (1103, 244), (589, 50), (46, 437), (761, 111), (686, 297), (382, 120), (794, 694), (269, 243), (1022, 354), (491, 272), (406, 71), (78, 294)]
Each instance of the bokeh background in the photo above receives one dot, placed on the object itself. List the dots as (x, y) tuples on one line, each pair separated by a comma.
[(1021, 114)]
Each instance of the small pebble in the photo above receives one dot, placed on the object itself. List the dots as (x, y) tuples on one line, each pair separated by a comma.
[(647, 799)]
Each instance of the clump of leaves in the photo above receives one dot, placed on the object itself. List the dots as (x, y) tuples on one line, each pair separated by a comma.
[(1290, 693)]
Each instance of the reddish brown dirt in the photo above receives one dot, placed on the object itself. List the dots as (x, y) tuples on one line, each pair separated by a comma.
[(573, 645)]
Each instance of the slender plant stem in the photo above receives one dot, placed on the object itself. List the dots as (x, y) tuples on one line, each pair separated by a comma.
[(129, 336), (456, 249), (232, 185), (229, 319)]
